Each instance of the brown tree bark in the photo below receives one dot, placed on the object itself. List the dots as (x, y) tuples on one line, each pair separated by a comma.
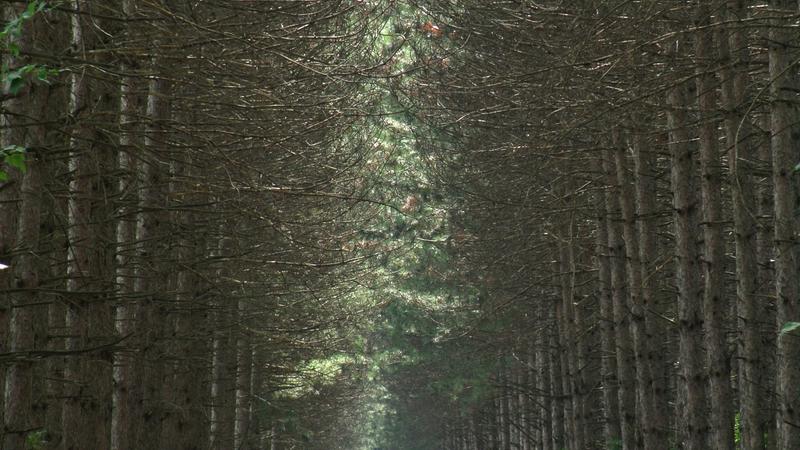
[(741, 152), (646, 407), (557, 419), (187, 425), (150, 279), (624, 353), (244, 372), (785, 137), (645, 166), (123, 403), (13, 134), (85, 413), (715, 304), (608, 368), (223, 362), (18, 389), (543, 381), (690, 296)]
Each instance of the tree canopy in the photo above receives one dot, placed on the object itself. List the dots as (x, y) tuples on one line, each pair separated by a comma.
[(400, 224)]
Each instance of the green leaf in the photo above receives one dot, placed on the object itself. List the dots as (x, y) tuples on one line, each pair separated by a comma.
[(28, 68), (42, 73), (12, 28), (797, 167), (788, 327), (8, 149), (32, 8), (16, 160), (13, 48), (15, 84), (3, 176)]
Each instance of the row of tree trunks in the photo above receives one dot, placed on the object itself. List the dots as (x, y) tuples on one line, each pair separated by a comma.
[(682, 120), (121, 325)]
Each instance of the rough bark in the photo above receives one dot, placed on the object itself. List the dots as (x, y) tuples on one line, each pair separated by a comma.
[(150, 279), (568, 332), (543, 383), (690, 296), (765, 254), (608, 367), (85, 413), (641, 346), (223, 363), (244, 356), (18, 390), (624, 352), (646, 211), (741, 152), (785, 136), (557, 421), (190, 391), (715, 304), (124, 405), (13, 134)]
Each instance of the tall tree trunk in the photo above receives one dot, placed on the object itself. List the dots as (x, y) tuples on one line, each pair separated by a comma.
[(187, 425), (223, 389), (624, 352), (608, 362), (152, 282), (644, 378), (556, 393), (124, 404), (13, 133), (244, 355), (740, 150), (646, 210), (543, 380), (765, 255), (785, 137), (567, 274), (85, 411), (505, 407), (715, 306), (18, 389), (690, 295)]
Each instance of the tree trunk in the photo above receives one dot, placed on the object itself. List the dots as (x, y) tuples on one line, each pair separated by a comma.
[(543, 380), (608, 362), (124, 404), (715, 306), (85, 413), (690, 295), (14, 132), (150, 280), (624, 352), (567, 274), (646, 210), (785, 136), (223, 388), (765, 255), (244, 354), (556, 393), (18, 391), (641, 346), (740, 150)]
